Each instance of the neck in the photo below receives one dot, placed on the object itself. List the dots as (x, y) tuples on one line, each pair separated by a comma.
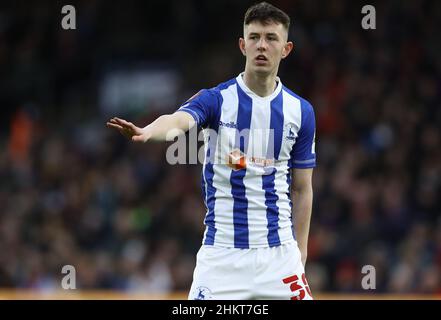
[(261, 84)]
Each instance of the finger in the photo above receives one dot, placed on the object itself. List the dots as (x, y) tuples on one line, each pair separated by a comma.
[(119, 120), (117, 123), (125, 123), (113, 125), (138, 138), (113, 121)]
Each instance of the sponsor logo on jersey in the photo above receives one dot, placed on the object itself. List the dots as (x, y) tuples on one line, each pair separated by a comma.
[(230, 124)]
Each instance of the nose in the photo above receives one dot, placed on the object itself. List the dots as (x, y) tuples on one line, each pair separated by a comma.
[(262, 44)]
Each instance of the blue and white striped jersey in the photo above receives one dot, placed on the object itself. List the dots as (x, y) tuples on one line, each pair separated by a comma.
[(251, 143)]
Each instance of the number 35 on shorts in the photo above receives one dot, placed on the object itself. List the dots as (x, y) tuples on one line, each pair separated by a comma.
[(298, 286)]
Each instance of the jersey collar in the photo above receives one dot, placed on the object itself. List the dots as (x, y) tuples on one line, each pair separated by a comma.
[(253, 95)]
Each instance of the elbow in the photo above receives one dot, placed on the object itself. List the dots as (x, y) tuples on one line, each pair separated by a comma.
[(299, 190)]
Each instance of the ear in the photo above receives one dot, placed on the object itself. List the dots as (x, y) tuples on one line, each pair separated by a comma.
[(287, 49), (242, 46)]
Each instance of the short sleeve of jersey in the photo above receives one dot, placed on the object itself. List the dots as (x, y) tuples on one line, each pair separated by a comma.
[(202, 107), (303, 152)]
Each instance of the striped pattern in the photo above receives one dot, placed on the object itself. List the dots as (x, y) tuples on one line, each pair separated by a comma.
[(251, 207)]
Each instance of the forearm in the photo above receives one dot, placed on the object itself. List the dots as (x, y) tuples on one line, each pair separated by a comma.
[(302, 209), (167, 127)]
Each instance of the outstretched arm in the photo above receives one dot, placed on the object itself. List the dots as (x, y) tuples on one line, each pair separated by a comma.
[(302, 207), (165, 127)]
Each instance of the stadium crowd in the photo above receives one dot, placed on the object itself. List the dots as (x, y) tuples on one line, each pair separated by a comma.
[(73, 192)]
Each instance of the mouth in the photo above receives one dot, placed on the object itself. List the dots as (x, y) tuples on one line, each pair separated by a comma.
[(261, 59)]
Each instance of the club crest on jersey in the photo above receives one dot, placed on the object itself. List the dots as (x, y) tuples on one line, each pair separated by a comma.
[(202, 293), (289, 132)]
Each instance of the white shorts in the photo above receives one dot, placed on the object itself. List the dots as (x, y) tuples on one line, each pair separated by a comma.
[(245, 274)]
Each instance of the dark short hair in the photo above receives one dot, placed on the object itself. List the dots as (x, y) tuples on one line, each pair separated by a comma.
[(266, 13)]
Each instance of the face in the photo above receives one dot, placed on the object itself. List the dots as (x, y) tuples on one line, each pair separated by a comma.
[(264, 46)]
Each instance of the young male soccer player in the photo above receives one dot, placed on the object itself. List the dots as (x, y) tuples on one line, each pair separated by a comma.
[(259, 147)]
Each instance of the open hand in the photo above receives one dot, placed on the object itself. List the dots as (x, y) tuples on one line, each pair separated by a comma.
[(128, 129)]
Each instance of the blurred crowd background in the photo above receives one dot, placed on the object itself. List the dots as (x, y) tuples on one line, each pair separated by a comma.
[(73, 192)]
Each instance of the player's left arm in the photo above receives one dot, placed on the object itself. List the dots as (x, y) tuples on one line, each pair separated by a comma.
[(302, 195)]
